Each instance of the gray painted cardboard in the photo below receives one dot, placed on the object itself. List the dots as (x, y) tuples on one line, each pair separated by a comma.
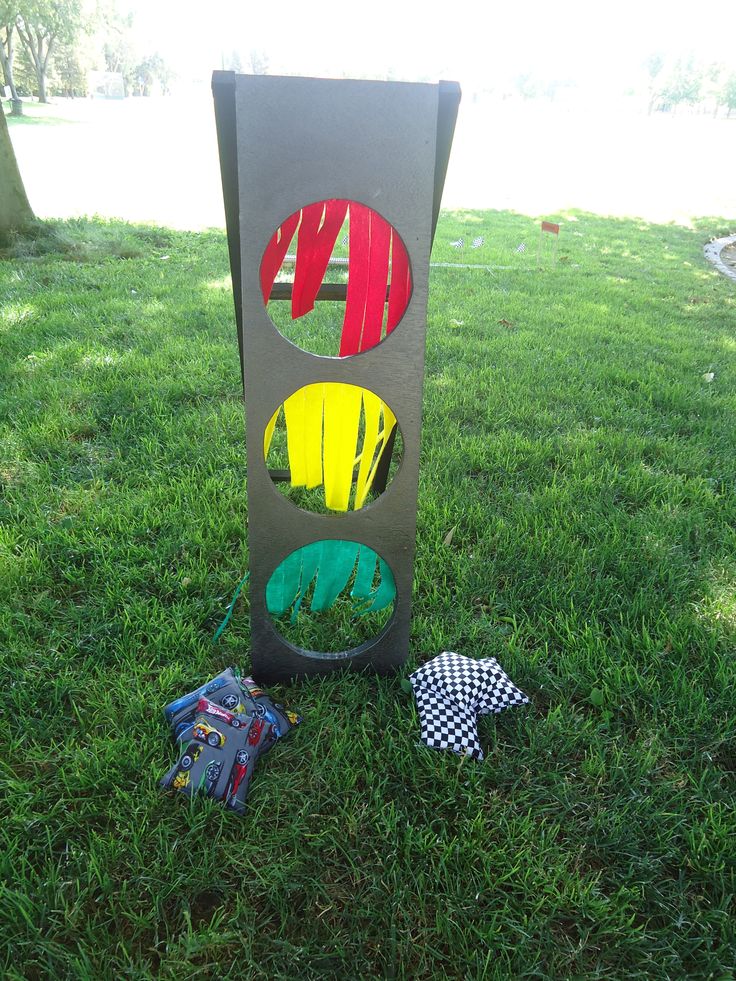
[(301, 140)]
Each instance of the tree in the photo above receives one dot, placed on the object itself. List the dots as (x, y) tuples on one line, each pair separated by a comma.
[(68, 76), (151, 71), (654, 65), (728, 93), (233, 63), (43, 23), (15, 211), (712, 87), (527, 85), (683, 84), (116, 38), (121, 56), (258, 61), (8, 16)]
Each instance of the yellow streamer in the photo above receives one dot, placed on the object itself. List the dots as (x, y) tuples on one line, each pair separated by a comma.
[(268, 435), (389, 421), (296, 436), (314, 407), (372, 410), (341, 421), (322, 436)]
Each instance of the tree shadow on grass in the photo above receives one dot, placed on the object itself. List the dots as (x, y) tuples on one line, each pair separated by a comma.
[(34, 120)]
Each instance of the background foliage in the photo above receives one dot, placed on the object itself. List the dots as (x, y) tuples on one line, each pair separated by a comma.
[(100, 35)]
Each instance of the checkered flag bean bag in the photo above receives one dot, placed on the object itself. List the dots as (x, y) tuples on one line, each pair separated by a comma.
[(451, 691), (446, 725)]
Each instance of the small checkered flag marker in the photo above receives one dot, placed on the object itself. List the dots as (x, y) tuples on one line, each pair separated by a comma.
[(521, 248), (477, 242), (344, 240), (460, 244)]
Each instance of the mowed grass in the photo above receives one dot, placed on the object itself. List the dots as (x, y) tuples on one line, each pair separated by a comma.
[(578, 438)]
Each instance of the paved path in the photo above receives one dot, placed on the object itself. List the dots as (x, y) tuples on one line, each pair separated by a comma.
[(722, 253)]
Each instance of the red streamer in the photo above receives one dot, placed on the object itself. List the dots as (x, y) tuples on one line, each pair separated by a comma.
[(275, 252), (372, 241), (375, 303), (314, 248), (359, 254), (400, 290)]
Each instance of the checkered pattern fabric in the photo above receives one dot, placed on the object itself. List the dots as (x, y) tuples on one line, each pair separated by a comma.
[(451, 691), (445, 725)]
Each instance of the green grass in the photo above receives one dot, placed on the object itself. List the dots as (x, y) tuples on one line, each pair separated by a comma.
[(587, 465), (36, 113)]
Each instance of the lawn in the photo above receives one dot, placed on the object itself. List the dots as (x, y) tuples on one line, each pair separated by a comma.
[(578, 438)]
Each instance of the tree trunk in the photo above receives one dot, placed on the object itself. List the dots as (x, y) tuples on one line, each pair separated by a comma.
[(33, 43), (7, 56), (15, 211), (43, 61)]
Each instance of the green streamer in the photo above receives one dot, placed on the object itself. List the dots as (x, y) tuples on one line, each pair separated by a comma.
[(337, 566), (386, 591), (283, 586), (230, 608), (312, 557), (329, 565), (364, 575)]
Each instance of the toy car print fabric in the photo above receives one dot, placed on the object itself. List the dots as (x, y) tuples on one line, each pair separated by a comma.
[(451, 691), (222, 728), (185, 730), (234, 694), (281, 719), (219, 759), (223, 690)]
